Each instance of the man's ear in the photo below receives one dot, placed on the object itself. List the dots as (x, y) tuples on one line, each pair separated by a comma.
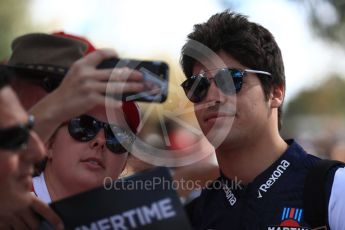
[(277, 96), (49, 153), (49, 146)]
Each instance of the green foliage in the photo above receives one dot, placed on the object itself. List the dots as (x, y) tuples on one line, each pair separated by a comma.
[(328, 98), (327, 18), (335, 31), (14, 20)]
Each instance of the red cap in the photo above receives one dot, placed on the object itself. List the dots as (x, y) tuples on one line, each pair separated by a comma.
[(90, 47), (132, 115)]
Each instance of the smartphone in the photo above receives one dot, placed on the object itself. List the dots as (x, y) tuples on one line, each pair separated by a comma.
[(156, 74)]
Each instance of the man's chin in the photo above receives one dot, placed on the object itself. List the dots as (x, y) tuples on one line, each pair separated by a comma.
[(19, 200), (217, 135)]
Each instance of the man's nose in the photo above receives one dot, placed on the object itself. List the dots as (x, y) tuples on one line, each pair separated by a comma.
[(35, 150), (99, 141), (214, 94)]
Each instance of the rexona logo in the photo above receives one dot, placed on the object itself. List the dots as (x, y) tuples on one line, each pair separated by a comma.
[(281, 168), (290, 220)]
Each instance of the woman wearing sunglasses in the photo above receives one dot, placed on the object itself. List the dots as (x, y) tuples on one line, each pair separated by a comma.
[(85, 150), (83, 147)]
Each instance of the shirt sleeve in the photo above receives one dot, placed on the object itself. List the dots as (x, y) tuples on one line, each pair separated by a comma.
[(336, 206)]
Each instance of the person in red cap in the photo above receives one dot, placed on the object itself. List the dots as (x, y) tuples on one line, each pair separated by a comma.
[(41, 60), (83, 146), (45, 67)]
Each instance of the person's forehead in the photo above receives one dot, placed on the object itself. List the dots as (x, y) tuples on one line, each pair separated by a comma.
[(220, 60), (113, 116), (11, 111), (98, 112)]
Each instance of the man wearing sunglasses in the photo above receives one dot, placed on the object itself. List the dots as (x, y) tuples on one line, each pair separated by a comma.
[(20, 148), (236, 82)]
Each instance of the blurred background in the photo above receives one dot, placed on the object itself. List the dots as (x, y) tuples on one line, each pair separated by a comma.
[(310, 33)]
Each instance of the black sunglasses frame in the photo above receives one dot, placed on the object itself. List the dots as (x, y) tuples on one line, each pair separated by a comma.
[(196, 86), (118, 140), (16, 138)]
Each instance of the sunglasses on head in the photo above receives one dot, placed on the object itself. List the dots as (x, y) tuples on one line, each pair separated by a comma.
[(196, 86), (16, 138), (85, 128)]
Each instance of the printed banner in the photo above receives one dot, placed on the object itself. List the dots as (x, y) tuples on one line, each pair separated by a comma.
[(142, 202)]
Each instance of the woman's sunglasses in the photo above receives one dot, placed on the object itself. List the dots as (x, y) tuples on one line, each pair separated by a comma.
[(16, 138), (196, 86), (85, 128)]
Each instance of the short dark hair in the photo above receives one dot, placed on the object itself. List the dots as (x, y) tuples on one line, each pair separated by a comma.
[(249, 43)]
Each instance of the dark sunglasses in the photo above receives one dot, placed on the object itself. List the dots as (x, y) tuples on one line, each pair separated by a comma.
[(85, 128), (196, 86), (16, 138)]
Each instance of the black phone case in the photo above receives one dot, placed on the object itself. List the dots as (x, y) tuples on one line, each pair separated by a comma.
[(154, 71)]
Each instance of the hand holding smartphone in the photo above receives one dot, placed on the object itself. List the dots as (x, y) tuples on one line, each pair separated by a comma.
[(155, 74)]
